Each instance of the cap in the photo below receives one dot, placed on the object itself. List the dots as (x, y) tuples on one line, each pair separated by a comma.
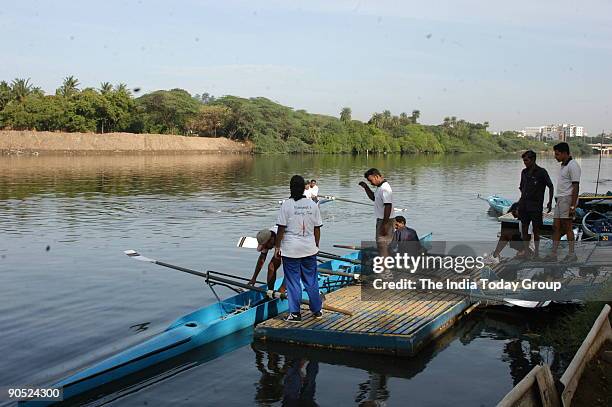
[(262, 237)]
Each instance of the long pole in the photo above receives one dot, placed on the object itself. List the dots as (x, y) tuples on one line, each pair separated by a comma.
[(599, 166), (269, 293)]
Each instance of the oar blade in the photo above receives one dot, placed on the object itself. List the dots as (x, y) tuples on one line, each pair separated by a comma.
[(137, 256), (247, 242)]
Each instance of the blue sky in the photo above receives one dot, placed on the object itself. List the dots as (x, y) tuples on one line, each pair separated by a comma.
[(513, 64)]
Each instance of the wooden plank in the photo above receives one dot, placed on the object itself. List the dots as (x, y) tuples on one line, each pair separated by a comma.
[(409, 317), (344, 327), (438, 310), (600, 332), (408, 306), (537, 388), (361, 309), (394, 311)]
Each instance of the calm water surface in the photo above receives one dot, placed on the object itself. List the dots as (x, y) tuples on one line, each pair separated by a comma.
[(68, 296)]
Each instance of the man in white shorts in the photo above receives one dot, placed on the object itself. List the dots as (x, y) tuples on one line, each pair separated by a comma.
[(383, 208), (568, 185)]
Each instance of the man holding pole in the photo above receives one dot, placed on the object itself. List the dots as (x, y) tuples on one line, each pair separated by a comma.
[(383, 208)]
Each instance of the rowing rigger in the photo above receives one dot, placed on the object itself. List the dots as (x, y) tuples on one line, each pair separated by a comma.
[(217, 278)]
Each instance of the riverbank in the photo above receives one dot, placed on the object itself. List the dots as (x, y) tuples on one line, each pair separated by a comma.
[(35, 142)]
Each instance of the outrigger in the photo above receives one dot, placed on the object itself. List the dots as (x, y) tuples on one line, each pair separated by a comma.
[(251, 305)]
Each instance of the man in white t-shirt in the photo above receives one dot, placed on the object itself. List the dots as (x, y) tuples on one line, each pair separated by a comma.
[(314, 188), (383, 208), (307, 191), (568, 186), (297, 242), (266, 239)]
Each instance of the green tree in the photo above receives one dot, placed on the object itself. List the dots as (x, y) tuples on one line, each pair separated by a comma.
[(105, 88), (69, 87), (21, 88), (377, 120), (5, 94), (345, 114), (168, 111), (209, 120), (415, 116)]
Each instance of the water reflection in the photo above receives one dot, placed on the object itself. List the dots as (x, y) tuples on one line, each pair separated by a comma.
[(289, 372), (91, 176)]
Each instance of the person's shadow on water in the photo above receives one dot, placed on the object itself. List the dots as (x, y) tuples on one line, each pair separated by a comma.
[(300, 384)]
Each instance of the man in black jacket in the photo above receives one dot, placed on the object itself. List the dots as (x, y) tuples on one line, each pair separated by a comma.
[(534, 180)]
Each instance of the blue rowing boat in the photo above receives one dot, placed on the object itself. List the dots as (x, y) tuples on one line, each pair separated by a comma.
[(196, 329), (498, 203)]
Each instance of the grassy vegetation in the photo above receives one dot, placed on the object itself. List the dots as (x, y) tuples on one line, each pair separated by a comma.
[(273, 128)]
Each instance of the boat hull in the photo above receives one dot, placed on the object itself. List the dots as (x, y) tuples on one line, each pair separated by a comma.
[(194, 330)]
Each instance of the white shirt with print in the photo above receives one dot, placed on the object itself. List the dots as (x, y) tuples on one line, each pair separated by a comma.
[(382, 196), (300, 219)]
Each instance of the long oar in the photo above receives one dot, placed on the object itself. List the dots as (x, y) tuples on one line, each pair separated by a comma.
[(269, 293), (332, 256), (344, 246), (335, 198)]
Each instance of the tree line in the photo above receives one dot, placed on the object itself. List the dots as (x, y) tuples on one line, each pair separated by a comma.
[(271, 127)]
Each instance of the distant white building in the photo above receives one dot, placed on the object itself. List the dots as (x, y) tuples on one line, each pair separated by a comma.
[(558, 132), (570, 130), (533, 132)]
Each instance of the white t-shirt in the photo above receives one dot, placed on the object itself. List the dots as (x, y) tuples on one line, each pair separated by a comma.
[(308, 193), (567, 174), (382, 196), (314, 190), (300, 219)]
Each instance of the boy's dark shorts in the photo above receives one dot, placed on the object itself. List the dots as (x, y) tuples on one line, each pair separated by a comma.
[(535, 217)]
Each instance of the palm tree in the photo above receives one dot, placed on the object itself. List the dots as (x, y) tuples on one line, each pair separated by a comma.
[(376, 119), (105, 87), (20, 88), (345, 114), (69, 86), (122, 88)]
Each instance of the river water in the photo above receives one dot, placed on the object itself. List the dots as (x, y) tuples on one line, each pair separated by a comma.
[(68, 295)]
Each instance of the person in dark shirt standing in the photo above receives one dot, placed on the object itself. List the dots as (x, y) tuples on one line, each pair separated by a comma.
[(534, 180)]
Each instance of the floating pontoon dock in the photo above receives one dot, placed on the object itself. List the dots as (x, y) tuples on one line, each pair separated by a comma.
[(397, 322)]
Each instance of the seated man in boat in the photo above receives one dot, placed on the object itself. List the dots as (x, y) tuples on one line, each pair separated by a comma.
[(402, 235), (314, 188), (510, 235), (266, 240), (310, 193)]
